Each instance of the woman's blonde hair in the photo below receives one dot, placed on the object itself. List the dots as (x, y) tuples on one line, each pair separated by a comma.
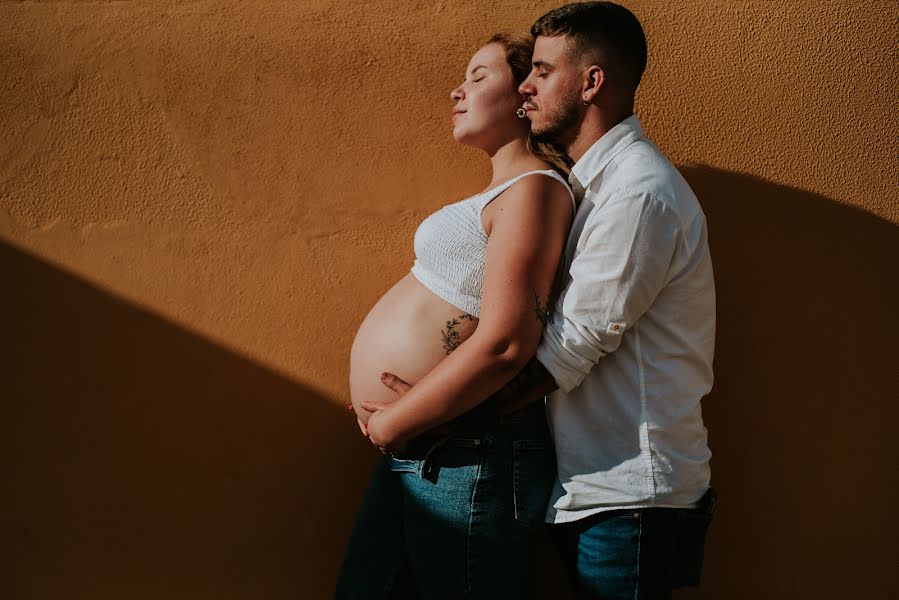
[(519, 49)]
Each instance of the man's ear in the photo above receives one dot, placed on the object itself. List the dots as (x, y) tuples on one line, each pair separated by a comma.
[(594, 79)]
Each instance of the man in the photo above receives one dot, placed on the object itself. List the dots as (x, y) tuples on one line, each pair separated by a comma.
[(631, 342)]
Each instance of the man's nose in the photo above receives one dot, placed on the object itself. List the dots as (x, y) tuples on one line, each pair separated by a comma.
[(526, 88)]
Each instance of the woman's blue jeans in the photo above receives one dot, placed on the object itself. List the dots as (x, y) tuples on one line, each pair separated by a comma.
[(460, 522)]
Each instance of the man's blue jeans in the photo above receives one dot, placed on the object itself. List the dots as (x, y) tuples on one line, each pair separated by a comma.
[(458, 523), (635, 554)]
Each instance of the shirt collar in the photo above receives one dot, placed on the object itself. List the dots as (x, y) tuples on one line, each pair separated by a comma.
[(604, 150)]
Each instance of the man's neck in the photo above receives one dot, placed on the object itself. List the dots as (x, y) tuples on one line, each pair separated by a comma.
[(596, 124)]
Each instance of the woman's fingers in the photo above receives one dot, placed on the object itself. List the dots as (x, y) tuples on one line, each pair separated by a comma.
[(372, 407), (362, 427), (395, 383)]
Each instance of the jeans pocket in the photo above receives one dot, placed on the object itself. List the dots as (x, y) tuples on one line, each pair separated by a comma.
[(534, 473), (689, 546), (400, 465)]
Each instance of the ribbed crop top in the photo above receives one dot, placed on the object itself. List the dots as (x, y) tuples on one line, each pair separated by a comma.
[(451, 247)]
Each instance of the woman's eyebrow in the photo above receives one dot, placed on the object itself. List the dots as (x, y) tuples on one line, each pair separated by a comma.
[(476, 68)]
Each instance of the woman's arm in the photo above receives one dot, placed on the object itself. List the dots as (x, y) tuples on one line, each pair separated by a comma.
[(531, 384), (528, 233)]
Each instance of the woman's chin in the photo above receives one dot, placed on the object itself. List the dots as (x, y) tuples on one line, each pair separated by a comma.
[(472, 141)]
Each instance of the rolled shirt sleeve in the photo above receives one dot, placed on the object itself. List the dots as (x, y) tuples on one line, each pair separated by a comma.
[(621, 262)]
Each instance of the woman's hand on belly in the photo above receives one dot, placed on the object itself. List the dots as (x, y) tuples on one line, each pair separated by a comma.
[(378, 436), (375, 421), (391, 382)]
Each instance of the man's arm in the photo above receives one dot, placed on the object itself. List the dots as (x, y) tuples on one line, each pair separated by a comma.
[(626, 251), (531, 384)]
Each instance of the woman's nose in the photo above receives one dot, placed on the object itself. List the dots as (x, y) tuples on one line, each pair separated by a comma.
[(456, 94)]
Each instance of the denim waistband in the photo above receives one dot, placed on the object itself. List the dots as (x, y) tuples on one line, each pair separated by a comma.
[(527, 422), (487, 415)]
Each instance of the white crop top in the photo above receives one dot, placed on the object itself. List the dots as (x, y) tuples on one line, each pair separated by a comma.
[(451, 247)]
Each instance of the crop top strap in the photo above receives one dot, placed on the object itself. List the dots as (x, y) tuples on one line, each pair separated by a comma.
[(491, 194)]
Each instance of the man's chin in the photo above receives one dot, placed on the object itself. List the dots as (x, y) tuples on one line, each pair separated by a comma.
[(546, 135)]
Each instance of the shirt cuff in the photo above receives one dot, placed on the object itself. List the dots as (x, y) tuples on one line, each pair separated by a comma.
[(568, 356)]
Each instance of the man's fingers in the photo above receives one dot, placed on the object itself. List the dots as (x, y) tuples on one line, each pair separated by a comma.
[(395, 383)]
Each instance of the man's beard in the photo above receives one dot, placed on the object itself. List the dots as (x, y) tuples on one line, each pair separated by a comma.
[(562, 124)]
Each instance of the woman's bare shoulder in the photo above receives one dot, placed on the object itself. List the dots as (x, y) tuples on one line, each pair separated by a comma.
[(540, 191)]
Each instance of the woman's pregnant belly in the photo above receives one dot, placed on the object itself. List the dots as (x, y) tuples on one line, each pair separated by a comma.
[(407, 333)]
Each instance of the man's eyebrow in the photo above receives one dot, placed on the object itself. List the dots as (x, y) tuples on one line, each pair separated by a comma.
[(476, 68), (542, 64)]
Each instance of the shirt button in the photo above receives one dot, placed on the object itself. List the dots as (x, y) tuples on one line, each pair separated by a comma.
[(616, 327)]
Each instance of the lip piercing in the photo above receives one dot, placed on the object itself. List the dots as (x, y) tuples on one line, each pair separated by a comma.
[(522, 113)]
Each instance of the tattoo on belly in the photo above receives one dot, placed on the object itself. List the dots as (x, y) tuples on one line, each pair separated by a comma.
[(451, 337)]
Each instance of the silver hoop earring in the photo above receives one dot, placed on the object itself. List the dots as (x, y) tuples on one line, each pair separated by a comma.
[(586, 103), (522, 113)]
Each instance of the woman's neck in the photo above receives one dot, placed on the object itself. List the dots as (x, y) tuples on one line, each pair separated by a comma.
[(511, 159)]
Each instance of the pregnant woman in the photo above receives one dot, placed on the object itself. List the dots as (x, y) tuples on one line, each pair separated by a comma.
[(455, 517)]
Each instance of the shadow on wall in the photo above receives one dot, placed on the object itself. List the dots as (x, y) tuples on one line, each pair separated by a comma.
[(802, 415), (804, 404), (141, 461)]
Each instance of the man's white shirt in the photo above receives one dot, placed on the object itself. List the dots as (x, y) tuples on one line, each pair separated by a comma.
[(631, 341)]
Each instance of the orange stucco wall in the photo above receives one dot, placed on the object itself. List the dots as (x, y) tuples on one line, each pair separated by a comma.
[(199, 201)]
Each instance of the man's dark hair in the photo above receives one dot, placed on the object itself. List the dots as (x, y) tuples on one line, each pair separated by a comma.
[(605, 31)]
